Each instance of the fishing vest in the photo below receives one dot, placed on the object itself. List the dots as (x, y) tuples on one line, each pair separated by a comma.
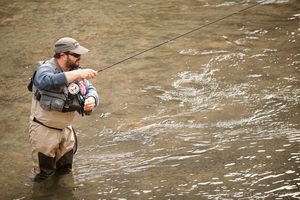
[(59, 99)]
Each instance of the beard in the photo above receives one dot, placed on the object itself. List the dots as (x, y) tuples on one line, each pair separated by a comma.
[(70, 65)]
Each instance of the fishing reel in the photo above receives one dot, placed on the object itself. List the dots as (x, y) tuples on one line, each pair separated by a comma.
[(78, 90), (73, 88)]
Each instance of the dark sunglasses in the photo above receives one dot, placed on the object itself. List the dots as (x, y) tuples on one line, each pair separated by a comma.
[(74, 55)]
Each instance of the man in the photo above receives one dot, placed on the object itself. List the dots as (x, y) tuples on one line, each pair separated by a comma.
[(60, 89)]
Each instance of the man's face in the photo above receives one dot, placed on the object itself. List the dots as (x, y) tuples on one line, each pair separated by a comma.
[(72, 61)]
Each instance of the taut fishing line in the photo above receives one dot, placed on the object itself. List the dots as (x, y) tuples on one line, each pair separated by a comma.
[(179, 36)]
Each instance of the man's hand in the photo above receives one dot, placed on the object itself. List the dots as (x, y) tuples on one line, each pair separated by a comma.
[(80, 75), (89, 104), (86, 74)]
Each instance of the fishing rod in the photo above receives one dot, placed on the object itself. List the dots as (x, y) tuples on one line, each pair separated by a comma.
[(181, 35)]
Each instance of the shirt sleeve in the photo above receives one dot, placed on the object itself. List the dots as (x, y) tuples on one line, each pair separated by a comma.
[(92, 92), (46, 79)]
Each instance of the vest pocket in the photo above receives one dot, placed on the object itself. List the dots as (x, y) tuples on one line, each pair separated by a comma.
[(52, 103)]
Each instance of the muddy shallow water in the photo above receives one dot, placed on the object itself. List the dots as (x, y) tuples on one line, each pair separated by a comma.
[(211, 115)]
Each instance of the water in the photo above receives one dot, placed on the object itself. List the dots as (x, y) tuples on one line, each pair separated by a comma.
[(211, 115)]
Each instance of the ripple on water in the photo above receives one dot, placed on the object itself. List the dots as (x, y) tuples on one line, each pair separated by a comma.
[(273, 1), (226, 135)]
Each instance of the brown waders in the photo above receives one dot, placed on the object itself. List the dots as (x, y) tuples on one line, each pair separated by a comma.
[(52, 148)]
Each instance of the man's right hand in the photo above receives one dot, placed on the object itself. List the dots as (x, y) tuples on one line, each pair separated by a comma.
[(86, 74), (80, 75)]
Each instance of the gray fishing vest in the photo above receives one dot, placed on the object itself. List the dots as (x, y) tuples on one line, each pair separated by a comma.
[(58, 99)]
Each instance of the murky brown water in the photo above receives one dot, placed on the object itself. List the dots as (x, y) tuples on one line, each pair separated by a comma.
[(212, 115)]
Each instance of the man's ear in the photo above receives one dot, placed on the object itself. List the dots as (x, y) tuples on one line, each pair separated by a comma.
[(63, 55)]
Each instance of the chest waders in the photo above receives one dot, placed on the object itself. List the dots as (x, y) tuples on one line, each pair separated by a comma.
[(52, 147)]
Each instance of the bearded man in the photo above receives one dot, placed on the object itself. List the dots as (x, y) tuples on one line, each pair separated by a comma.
[(60, 89)]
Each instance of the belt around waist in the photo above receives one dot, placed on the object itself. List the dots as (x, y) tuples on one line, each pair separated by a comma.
[(37, 121)]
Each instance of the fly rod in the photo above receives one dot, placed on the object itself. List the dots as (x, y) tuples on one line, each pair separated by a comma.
[(181, 35)]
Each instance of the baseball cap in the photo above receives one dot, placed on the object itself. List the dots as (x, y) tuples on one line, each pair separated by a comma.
[(66, 44)]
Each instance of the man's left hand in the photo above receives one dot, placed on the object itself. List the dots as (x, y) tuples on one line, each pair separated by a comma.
[(89, 104)]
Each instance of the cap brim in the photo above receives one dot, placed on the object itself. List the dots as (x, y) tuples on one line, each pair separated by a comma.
[(80, 50)]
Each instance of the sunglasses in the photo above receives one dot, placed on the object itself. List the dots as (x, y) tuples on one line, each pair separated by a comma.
[(75, 55)]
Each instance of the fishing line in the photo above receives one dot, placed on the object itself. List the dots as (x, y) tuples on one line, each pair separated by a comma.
[(182, 35)]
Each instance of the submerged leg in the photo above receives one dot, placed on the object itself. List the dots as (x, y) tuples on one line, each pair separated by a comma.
[(46, 164), (64, 164)]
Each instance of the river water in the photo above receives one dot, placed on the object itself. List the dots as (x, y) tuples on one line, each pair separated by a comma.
[(210, 115)]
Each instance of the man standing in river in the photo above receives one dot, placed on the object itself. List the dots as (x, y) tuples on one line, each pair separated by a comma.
[(59, 90)]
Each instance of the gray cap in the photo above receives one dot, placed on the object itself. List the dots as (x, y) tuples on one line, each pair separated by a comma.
[(66, 44)]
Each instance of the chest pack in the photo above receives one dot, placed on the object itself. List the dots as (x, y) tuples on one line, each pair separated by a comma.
[(60, 99)]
